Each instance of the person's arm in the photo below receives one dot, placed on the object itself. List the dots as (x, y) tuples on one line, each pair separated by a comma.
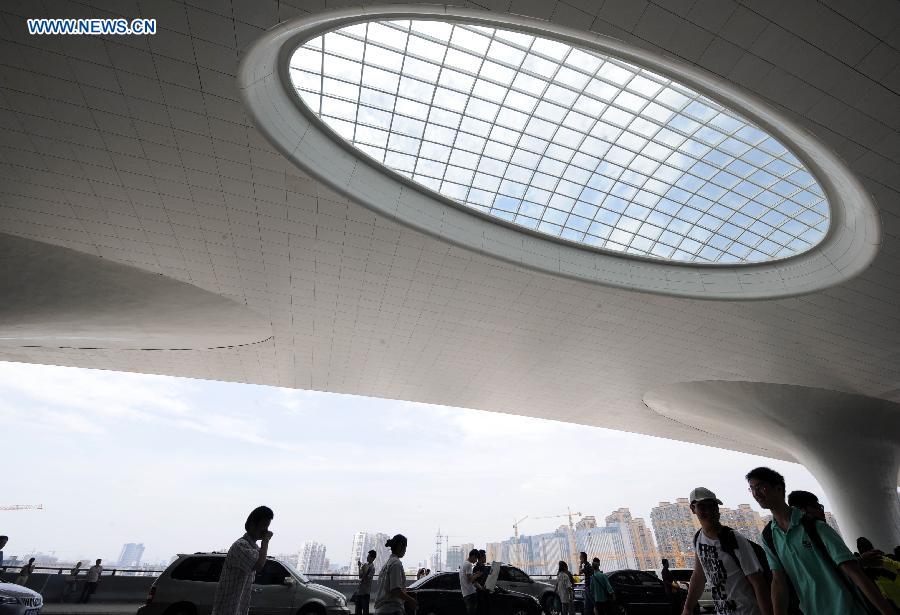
[(695, 589), (263, 552), (853, 570), (762, 590), (398, 583), (780, 594), (361, 570)]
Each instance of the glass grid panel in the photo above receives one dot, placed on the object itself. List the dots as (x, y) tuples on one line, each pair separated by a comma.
[(564, 141)]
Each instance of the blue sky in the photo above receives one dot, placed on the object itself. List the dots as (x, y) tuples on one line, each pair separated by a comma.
[(177, 464)]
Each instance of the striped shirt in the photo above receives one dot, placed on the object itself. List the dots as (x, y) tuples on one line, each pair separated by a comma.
[(238, 572)]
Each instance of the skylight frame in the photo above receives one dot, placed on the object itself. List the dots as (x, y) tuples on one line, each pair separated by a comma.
[(618, 178)]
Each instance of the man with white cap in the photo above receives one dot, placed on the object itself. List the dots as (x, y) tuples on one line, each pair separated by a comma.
[(727, 561)]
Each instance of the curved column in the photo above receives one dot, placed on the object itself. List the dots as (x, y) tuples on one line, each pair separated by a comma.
[(850, 443)]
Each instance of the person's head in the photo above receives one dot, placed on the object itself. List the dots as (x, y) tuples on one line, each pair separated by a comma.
[(583, 557), (370, 557), (427, 571), (397, 545), (595, 563), (808, 503), (473, 556), (258, 521), (98, 562), (864, 545), (482, 556), (665, 563), (767, 486), (3, 541), (31, 561), (563, 567), (705, 505)]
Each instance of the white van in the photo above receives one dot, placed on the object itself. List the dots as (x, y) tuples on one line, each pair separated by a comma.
[(188, 586)]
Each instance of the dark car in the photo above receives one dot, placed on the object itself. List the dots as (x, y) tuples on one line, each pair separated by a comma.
[(439, 594), (637, 593)]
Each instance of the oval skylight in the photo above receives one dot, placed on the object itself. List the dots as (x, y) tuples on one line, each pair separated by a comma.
[(564, 141)]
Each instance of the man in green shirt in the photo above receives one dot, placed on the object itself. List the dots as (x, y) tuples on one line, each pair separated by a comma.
[(825, 576), (602, 590)]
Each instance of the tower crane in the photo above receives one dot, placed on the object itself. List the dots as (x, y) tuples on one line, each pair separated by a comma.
[(21, 507), (573, 561)]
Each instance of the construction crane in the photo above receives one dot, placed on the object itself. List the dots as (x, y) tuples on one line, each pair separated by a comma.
[(519, 556), (573, 562), (21, 507)]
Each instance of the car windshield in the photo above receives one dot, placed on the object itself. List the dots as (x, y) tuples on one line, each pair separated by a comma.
[(303, 578), (420, 582)]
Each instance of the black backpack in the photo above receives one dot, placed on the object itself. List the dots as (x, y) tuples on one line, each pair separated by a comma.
[(809, 526), (728, 540)]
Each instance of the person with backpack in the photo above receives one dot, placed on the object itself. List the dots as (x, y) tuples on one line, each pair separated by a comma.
[(807, 554), (728, 562)]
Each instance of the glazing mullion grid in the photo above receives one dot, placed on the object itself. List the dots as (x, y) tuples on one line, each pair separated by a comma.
[(703, 244), (732, 135), (530, 115)]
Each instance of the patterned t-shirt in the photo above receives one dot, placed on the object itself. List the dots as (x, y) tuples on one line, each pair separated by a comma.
[(233, 590), (731, 592)]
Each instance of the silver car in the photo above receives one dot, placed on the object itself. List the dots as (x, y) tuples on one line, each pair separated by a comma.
[(18, 600), (188, 585)]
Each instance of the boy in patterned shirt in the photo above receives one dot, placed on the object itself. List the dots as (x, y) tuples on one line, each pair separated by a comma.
[(243, 561)]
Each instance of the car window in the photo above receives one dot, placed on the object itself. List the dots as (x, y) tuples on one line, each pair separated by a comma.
[(443, 581), (624, 578), (207, 569), (682, 575), (272, 573), (646, 579), (514, 575)]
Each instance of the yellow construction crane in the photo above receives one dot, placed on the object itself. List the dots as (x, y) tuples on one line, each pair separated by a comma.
[(573, 562), (21, 507)]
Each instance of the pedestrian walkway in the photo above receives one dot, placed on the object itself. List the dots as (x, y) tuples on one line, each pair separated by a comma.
[(91, 608)]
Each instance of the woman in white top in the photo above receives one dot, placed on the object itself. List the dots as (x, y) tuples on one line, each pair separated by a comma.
[(565, 588), (392, 596)]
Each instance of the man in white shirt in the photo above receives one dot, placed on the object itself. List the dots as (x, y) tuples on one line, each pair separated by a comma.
[(727, 561), (243, 561), (467, 579), (92, 580)]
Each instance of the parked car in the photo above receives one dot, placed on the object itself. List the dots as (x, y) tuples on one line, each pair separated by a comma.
[(18, 600), (439, 594), (682, 576), (188, 585), (513, 579), (637, 593)]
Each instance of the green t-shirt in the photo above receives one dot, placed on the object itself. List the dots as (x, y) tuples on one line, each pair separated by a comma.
[(601, 589), (820, 589)]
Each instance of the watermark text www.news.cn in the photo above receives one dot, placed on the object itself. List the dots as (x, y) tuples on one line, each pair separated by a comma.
[(95, 27)]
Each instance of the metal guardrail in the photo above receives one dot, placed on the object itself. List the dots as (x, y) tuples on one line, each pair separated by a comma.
[(142, 572)]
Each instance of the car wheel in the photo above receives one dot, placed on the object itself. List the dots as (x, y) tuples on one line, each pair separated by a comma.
[(311, 609), (548, 605), (182, 608)]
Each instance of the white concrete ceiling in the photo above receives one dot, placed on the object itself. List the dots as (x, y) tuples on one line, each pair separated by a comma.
[(137, 150)]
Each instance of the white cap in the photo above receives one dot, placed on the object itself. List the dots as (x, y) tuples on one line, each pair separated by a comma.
[(702, 493)]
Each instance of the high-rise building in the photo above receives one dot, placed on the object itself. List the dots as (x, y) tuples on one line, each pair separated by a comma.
[(743, 520), (363, 542), (586, 523), (640, 548), (131, 554), (289, 558), (494, 551), (311, 558), (604, 543), (454, 557), (674, 526)]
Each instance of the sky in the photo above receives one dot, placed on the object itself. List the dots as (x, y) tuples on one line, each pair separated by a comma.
[(177, 464)]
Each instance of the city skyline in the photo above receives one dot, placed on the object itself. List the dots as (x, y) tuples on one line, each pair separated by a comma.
[(364, 463)]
